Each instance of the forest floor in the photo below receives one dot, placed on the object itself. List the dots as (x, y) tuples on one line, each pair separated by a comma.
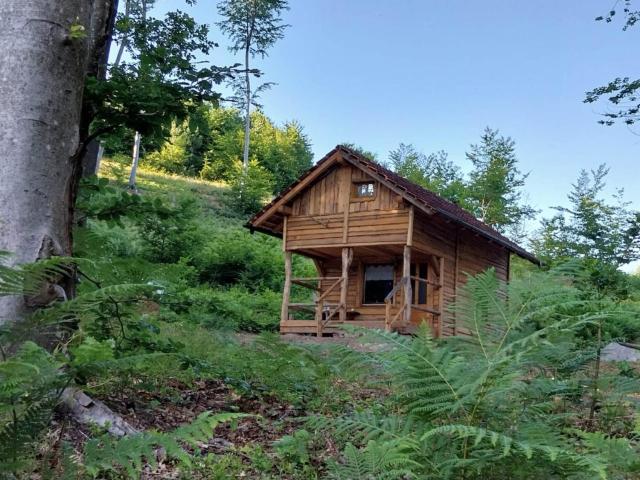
[(243, 444), (180, 403)]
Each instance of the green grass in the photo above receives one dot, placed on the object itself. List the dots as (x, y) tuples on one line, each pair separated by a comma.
[(166, 185)]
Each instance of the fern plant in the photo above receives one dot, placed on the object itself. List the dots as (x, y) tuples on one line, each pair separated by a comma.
[(31, 383), (376, 461), (127, 455), (495, 403)]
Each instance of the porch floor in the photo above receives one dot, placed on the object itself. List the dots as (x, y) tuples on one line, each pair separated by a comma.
[(310, 327)]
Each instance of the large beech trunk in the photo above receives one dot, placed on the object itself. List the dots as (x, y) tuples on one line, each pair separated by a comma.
[(42, 72), (44, 130)]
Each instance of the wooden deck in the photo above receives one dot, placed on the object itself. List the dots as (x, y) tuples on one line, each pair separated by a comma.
[(302, 327), (310, 326)]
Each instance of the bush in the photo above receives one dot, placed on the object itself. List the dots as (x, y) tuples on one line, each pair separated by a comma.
[(250, 190), (233, 256), (171, 159), (171, 233), (233, 309), (111, 239)]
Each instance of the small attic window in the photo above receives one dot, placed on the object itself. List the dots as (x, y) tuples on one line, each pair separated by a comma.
[(364, 190)]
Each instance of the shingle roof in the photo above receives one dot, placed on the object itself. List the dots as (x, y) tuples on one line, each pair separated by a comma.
[(413, 193)]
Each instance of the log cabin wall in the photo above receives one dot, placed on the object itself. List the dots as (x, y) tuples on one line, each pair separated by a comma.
[(328, 214), (464, 252)]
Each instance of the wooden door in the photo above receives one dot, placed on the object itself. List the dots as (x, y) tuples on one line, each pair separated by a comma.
[(420, 292)]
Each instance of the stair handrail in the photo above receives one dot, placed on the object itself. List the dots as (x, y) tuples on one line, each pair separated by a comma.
[(320, 305), (388, 321)]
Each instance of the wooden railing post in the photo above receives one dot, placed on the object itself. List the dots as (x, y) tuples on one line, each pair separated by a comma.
[(387, 316), (319, 308), (406, 277), (286, 292), (347, 256)]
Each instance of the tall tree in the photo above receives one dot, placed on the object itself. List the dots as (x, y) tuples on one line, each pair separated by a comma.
[(591, 228), (253, 26), (622, 93), (434, 172), (46, 49), (495, 183)]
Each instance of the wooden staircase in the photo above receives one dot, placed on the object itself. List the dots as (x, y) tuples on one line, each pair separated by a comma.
[(326, 315)]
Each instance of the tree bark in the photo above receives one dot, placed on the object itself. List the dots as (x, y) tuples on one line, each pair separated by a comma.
[(247, 119), (135, 158), (42, 72), (101, 33), (125, 39)]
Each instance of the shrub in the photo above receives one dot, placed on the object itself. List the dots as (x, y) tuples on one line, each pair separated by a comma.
[(170, 158), (233, 256), (172, 232), (232, 309), (250, 190)]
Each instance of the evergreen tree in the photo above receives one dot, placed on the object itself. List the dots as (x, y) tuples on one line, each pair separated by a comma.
[(591, 228), (495, 183), (434, 172)]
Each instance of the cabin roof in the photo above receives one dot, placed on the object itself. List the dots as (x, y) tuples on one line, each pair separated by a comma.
[(422, 198)]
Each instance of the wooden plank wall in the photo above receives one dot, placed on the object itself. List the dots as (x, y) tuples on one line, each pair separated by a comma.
[(433, 234), (331, 193), (318, 217)]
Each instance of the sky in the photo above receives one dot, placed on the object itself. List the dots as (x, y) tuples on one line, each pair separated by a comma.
[(435, 73)]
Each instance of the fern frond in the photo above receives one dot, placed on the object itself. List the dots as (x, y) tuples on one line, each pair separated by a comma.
[(366, 426), (105, 453), (31, 382), (27, 279), (378, 460), (482, 438)]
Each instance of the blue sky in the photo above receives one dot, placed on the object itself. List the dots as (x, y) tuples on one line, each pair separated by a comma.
[(434, 73)]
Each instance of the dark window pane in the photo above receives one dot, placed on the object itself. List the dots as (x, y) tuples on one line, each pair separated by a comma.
[(419, 289), (378, 282), (422, 288)]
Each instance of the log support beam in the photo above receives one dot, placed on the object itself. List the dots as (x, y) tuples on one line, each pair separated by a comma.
[(286, 292), (347, 257), (406, 274), (440, 318)]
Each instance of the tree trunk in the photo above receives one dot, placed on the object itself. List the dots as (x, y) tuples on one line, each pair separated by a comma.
[(247, 120), (125, 40), (101, 37), (42, 72), (135, 158)]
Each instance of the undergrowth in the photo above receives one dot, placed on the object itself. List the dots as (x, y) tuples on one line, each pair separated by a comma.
[(172, 292)]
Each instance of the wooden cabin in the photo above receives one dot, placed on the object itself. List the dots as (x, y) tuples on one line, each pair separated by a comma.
[(389, 254)]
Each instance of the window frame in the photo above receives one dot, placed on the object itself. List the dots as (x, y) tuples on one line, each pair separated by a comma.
[(359, 198), (363, 282)]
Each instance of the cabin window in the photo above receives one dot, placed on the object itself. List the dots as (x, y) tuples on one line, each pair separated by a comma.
[(364, 190), (378, 282)]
